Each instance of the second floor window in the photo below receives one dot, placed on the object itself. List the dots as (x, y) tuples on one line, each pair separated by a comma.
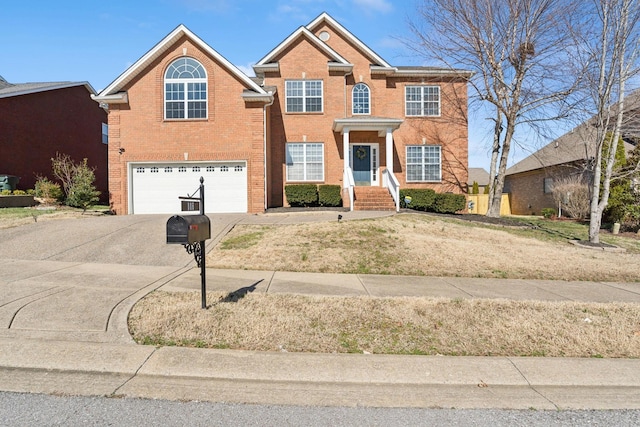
[(304, 96), (185, 90), (422, 100), (361, 99)]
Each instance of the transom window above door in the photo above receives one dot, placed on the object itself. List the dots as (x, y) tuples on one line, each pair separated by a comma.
[(185, 90), (361, 99)]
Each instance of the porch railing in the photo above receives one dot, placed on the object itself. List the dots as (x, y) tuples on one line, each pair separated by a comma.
[(349, 183), (391, 182)]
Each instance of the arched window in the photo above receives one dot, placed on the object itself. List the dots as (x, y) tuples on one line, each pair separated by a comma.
[(361, 99), (185, 90)]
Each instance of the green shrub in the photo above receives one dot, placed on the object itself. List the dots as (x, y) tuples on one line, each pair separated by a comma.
[(301, 194), (19, 192), (548, 212), (47, 189), (329, 195), (449, 203), (31, 192), (5, 193), (82, 193), (421, 199), (475, 189)]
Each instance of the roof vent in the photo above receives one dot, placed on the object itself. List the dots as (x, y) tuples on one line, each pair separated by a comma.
[(324, 36)]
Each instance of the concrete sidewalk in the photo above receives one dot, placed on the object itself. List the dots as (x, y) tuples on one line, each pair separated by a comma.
[(65, 331), (65, 298)]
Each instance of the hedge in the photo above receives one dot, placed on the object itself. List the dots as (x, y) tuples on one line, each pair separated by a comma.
[(329, 195), (301, 194), (449, 203), (421, 199)]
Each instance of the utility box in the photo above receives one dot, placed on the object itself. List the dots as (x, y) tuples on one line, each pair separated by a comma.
[(188, 229), (8, 182)]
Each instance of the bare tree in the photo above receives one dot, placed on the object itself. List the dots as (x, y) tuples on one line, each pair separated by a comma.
[(608, 50), (571, 194), (516, 49)]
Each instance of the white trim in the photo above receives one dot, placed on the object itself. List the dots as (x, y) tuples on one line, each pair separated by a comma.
[(348, 35), (302, 31), (406, 161), (367, 123), (305, 162), (130, 73), (374, 162), (28, 88), (184, 83), (304, 96), (353, 112), (131, 166), (422, 101)]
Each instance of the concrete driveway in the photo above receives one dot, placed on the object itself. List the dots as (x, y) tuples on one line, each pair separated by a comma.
[(126, 239)]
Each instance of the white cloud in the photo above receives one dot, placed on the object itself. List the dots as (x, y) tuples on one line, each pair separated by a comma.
[(378, 5), (247, 69)]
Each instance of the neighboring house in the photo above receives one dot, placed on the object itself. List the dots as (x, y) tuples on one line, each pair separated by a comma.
[(479, 175), (530, 181), (323, 109), (38, 120)]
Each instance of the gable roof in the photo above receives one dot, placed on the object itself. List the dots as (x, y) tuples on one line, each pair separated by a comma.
[(110, 93), (575, 146), (324, 17), (8, 90), (378, 65), (302, 32), (479, 175)]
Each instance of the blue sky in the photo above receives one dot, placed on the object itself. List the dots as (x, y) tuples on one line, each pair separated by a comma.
[(95, 41)]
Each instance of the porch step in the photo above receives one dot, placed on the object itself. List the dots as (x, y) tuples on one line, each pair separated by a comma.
[(373, 199)]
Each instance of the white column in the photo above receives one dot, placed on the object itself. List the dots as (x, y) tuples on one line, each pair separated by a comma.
[(389, 150), (345, 147)]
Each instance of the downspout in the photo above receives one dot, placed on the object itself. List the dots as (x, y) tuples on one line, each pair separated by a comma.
[(264, 145)]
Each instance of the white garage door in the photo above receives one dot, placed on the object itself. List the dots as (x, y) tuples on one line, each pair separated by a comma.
[(155, 188)]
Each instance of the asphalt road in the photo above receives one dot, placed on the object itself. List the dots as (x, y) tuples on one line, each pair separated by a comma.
[(18, 409)]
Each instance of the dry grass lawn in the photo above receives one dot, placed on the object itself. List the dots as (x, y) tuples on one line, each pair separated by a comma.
[(414, 244), (408, 244), (276, 322)]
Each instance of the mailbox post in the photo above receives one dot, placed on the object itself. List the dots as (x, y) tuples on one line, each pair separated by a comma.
[(191, 231)]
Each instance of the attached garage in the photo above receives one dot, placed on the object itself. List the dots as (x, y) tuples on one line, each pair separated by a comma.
[(155, 188)]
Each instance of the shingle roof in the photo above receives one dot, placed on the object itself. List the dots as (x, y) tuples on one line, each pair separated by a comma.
[(8, 89), (479, 175), (578, 144)]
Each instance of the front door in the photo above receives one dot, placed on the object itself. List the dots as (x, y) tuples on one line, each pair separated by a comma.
[(361, 155)]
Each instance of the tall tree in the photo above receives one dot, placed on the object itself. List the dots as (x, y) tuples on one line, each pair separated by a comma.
[(608, 50), (517, 49)]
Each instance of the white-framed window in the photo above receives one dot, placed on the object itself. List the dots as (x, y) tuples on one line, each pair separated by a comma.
[(424, 163), (422, 100), (305, 161), (361, 99), (185, 90), (105, 133), (303, 96)]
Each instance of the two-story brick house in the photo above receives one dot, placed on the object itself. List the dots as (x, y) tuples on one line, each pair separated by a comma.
[(323, 108)]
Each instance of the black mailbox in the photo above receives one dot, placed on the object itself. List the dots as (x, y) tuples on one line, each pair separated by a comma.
[(188, 229)]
